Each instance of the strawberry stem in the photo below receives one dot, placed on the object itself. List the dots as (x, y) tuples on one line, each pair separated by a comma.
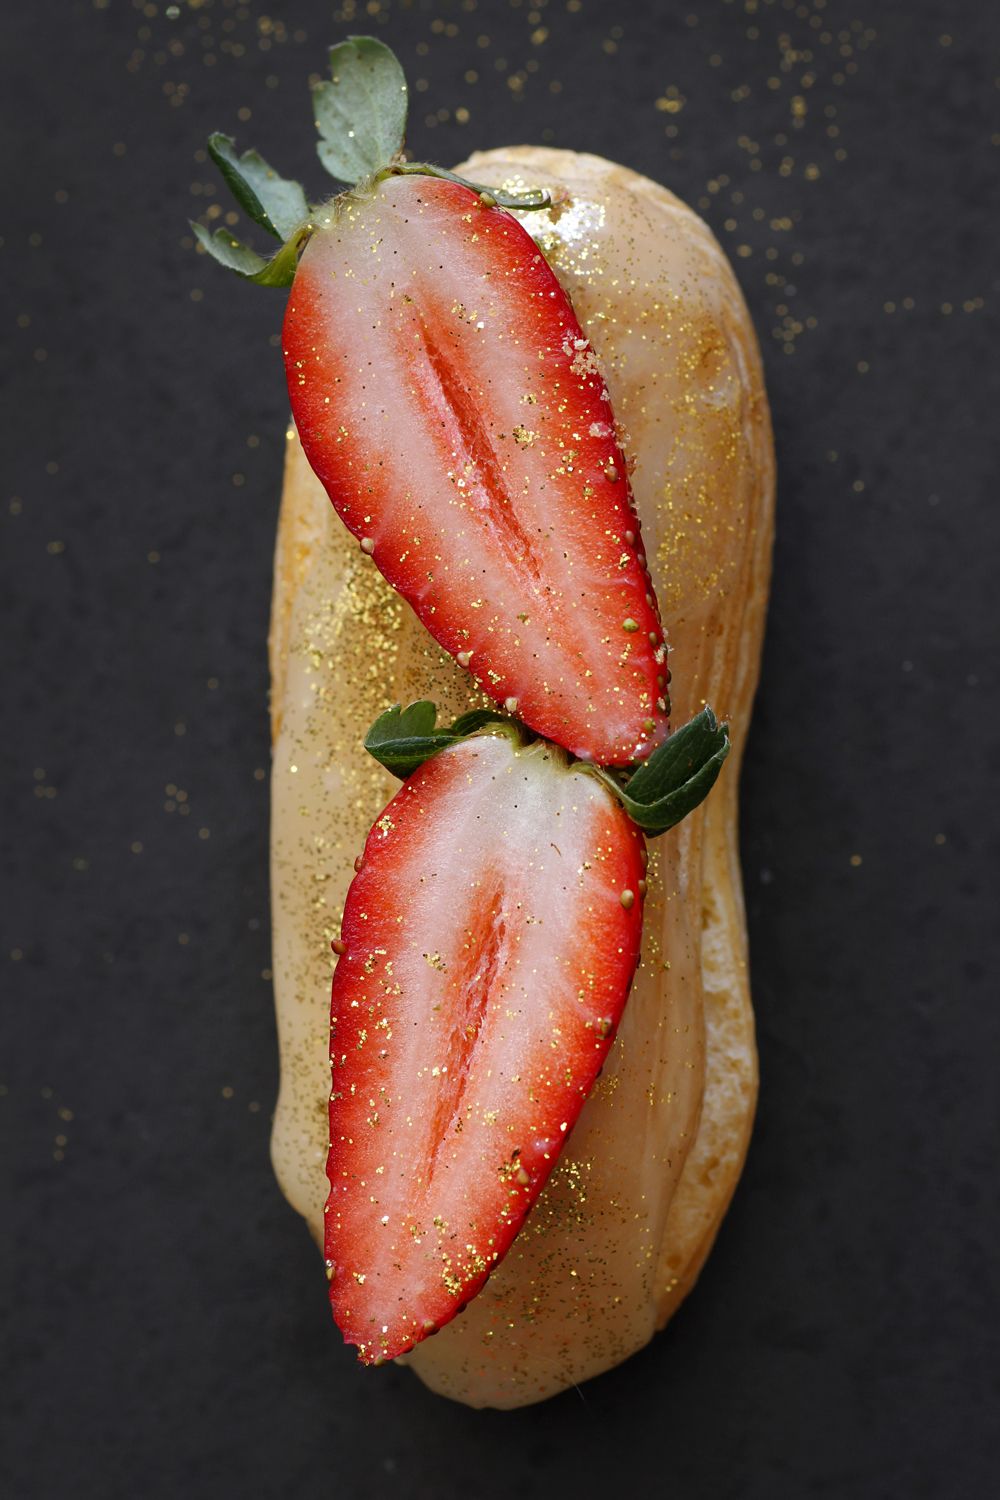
[(534, 198)]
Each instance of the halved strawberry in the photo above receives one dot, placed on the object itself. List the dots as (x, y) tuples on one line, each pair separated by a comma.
[(487, 948), (449, 401)]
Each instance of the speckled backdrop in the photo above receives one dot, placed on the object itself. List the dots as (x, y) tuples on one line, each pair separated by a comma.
[(166, 1331)]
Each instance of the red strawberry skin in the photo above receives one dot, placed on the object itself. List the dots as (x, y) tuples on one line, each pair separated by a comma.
[(446, 396), (488, 952)]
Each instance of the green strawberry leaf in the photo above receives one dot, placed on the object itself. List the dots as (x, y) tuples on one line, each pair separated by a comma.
[(361, 114), (677, 776), (401, 739), (228, 251), (272, 202), (235, 256)]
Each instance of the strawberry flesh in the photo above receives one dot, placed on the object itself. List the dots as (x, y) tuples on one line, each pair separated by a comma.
[(446, 396), (487, 954)]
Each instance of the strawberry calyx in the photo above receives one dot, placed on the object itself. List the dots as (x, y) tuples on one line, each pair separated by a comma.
[(401, 739), (360, 114), (656, 794)]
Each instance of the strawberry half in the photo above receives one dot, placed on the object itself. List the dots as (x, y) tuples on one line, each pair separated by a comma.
[(488, 944), (446, 396)]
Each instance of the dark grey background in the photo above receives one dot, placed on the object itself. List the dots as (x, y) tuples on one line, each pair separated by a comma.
[(166, 1331)]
